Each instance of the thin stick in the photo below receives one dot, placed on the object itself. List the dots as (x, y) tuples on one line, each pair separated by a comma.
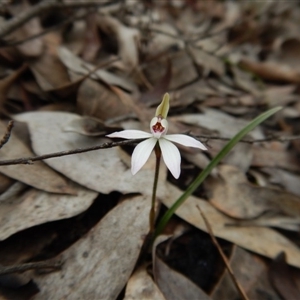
[(152, 210), (30, 160), (14, 23), (226, 262)]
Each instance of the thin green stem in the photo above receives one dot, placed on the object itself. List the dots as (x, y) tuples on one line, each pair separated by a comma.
[(152, 211)]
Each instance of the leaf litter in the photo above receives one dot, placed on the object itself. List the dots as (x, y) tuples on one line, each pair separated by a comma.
[(103, 69)]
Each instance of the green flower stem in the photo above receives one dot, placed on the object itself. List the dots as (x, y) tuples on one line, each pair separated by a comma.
[(152, 210), (200, 178)]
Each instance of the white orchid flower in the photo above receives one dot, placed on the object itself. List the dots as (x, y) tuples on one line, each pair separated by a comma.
[(158, 128)]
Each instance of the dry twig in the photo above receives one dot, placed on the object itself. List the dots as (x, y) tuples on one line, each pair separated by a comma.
[(30, 160), (225, 260), (45, 5)]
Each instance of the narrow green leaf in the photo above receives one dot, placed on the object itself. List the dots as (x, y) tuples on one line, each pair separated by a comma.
[(227, 148)]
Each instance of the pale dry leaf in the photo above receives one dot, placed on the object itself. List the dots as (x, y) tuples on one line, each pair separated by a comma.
[(100, 170), (236, 197), (213, 119), (99, 264), (264, 241), (33, 207), (77, 65), (141, 286), (290, 181), (38, 175)]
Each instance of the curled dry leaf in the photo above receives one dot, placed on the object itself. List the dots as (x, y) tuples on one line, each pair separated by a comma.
[(128, 39), (38, 175), (264, 241), (101, 170), (33, 207), (99, 265)]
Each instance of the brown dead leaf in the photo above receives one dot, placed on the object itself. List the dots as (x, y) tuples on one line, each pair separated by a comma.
[(247, 269), (271, 71), (274, 158), (141, 286), (236, 197), (98, 100), (94, 169), (99, 265), (92, 40), (33, 207), (264, 241), (31, 48), (90, 126), (282, 280), (48, 70), (38, 175)]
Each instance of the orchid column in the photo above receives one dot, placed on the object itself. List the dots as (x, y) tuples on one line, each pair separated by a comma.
[(163, 145)]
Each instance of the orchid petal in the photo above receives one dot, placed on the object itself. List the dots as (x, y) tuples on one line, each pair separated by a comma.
[(130, 134), (163, 108), (141, 154), (185, 140), (171, 156)]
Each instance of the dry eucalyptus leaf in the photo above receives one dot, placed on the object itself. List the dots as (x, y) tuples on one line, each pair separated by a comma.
[(99, 264), (290, 181), (49, 71), (141, 286), (75, 64), (33, 207), (213, 119), (236, 197), (100, 170), (264, 241), (278, 158), (38, 175), (98, 100), (207, 61), (89, 126)]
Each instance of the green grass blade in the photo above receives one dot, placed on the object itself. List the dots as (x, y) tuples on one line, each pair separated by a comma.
[(227, 148)]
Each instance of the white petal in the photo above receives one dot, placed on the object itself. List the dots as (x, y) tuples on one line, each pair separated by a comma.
[(185, 140), (141, 154), (171, 156), (130, 134)]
